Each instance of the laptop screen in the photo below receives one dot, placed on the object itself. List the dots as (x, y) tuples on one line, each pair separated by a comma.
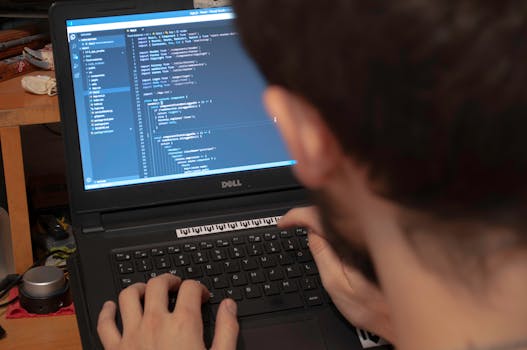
[(166, 96)]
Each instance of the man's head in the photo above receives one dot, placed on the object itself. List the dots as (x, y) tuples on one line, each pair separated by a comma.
[(421, 102)]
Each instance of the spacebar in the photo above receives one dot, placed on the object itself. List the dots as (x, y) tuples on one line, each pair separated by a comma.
[(269, 304)]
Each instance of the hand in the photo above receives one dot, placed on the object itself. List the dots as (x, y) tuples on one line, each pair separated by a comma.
[(157, 328), (359, 301)]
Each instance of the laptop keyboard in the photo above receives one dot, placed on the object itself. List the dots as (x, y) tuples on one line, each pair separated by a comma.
[(262, 270)]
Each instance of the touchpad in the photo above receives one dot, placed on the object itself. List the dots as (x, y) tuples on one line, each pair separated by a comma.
[(303, 335)]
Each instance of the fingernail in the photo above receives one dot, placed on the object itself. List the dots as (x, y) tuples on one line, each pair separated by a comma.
[(231, 306)]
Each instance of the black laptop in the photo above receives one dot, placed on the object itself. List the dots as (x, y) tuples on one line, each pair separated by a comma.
[(174, 167)]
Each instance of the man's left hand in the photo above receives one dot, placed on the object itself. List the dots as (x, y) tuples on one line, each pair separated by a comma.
[(154, 327)]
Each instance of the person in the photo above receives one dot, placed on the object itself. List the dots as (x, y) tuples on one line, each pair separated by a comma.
[(407, 120)]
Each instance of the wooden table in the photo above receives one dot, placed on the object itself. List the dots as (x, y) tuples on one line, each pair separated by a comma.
[(18, 108), (43, 333)]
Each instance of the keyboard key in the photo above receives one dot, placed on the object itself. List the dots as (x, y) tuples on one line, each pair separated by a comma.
[(303, 256), (206, 245), (143, 265), (310, 269), (270, 236), (304, 242), (252, 292), (300, 231), (249, 264), (293, 271), (190, 247), (231, 266), (153, 274), (199, 258), (238, 279), (206, 282), (308, 283), (271, 288), (123, 256), (275, 274), (271, 304), (234, 293), (213, 269), (128, 281), (222, 243), (285, 234), (313, 298), (255, 249), (125, 267), (284, 259), (193, 272), (257, 276), (255, 239), (162, 262), (173, 249), (219, 254), (236, 252), (176, 272), (220, 282), (181, 260), (237, 240), (289, 286), (215, 297), (290, 244), (272, 247), (267, 261), (140, 254), (157, 251)]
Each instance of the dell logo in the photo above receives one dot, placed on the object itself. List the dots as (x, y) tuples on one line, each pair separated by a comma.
[(231, 184)]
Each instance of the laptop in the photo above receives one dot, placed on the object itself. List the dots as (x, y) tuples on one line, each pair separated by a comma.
[(174, 167)]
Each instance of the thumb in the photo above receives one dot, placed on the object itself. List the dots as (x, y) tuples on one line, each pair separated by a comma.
[(226, 331), (308, 217), (323, 254), (328, 263)]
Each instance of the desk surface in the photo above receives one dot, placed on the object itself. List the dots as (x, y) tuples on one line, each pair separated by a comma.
[(18, 107), (43, 333)]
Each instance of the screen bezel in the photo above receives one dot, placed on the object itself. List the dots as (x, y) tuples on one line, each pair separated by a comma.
[(142, 195)]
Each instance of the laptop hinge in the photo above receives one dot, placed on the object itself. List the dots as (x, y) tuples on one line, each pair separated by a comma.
[(91, 223)]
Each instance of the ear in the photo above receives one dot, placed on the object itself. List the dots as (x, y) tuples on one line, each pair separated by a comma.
[(308, 138)]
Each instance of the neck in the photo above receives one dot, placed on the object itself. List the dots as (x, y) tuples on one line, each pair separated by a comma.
[(429, 308), (514, 345), (435, 311)]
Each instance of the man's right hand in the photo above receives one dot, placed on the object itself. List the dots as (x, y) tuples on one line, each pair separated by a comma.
[(359, 301)]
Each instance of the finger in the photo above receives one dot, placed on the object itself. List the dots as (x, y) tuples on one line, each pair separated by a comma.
[(189, 299), (156, 294), (106, 327), (227, 327), (328, 263), (304, 217), (130, 305)]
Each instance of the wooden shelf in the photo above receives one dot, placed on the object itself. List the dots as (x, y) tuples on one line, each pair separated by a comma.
[(18, 107)]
